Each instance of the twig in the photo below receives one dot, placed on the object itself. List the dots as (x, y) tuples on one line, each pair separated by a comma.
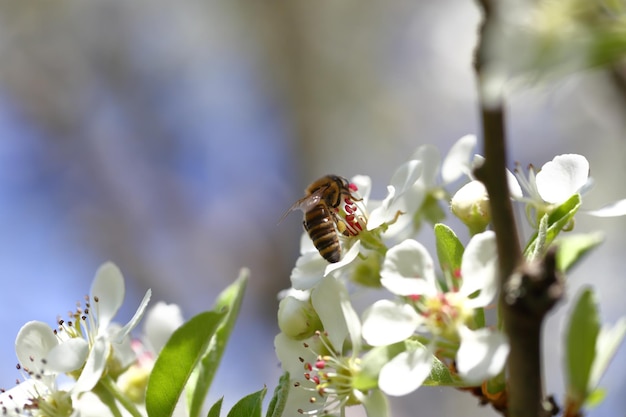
[(527, 292)]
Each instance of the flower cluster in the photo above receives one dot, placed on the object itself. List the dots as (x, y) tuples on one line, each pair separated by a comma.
[(430, 327), (95, 352), (429, 323), (446, 312)]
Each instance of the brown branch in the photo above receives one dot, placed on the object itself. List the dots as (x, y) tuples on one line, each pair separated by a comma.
[(527, 292), (524, 363)]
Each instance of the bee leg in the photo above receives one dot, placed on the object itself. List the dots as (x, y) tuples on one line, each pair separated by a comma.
[(352, 197)]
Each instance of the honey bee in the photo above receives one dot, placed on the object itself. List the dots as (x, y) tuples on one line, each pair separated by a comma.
[(321, 219)]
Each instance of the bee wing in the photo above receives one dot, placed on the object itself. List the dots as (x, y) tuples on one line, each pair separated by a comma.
[(303, 204)]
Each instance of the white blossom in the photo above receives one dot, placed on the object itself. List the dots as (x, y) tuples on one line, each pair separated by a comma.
[(93, 342), (556, 182), (323, 375), (408, 271)]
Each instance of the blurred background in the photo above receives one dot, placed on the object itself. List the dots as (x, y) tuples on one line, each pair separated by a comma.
[(170, 137)]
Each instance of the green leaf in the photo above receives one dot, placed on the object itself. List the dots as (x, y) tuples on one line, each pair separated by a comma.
[(572, 248), (558, 220), (562, 215), (229, 303), (366, 272), (594, 348), (216, 408), (106, 396), (497, 384), (609, 339), (440, 375), (279, 399), (249, 406), (479, 318), (580, 346), (449, 251), (177, 360), (430, 211), (538, 246), (609, 44), (595, 397)]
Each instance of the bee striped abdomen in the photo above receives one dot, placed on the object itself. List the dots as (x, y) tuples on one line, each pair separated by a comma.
[(322, 214), (321, 229)]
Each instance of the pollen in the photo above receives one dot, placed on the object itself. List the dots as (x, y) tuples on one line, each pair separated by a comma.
[(445, 312)]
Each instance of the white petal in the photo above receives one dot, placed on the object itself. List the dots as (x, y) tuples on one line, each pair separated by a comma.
[(615, 209), (429, 156), (386, 322), (408, 286), (94, 367), (88, 404), (562, 177), (306, 244), (405, 372), (364, 187), (380, 214), (300, 398), (33, 343), (134, 321), (289, 350), (297, 318), (402, 182), (588, 186), (308, 271), (458, 160), (12, 400), (405, 176), (353, 323), (479, 268), (121, 346), (326, 298), (69, 355), (302, 295), (408, 269), (477, 162), (482, 354), (108, 288), (373, 205), (514, 188), (410, 202), (345, 260), (161, 321)]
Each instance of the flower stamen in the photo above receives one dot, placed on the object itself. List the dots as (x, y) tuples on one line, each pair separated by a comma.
[(332, 378), (355, 223)]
